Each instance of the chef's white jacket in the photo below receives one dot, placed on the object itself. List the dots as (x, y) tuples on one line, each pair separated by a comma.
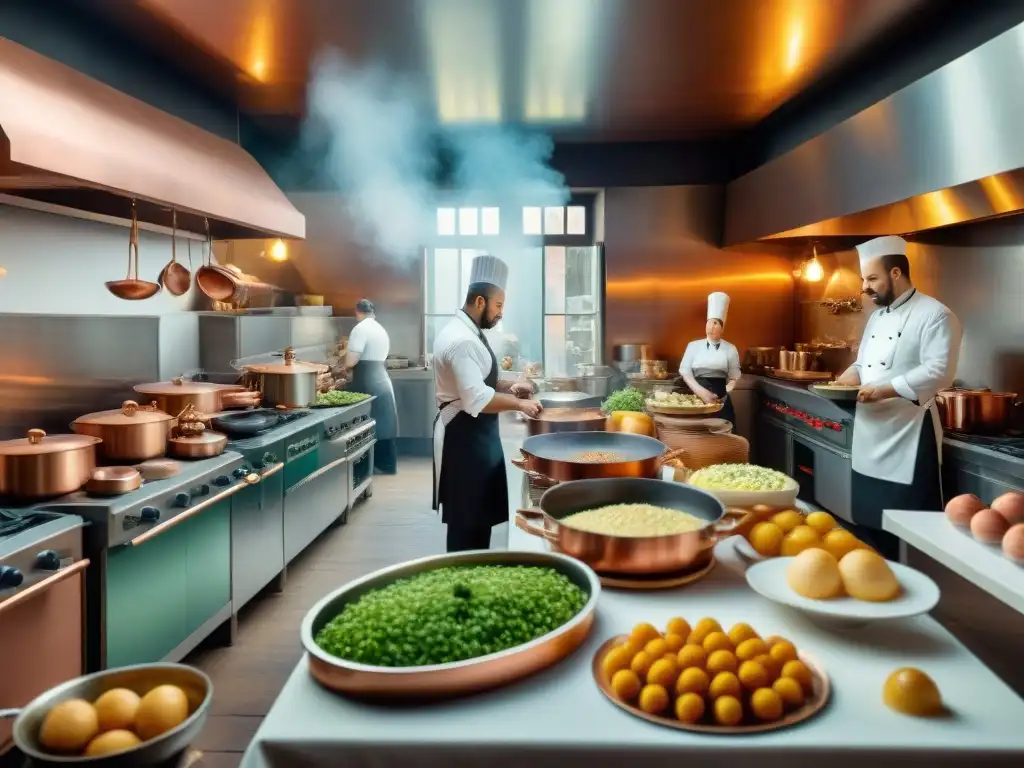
[(461, 363), (369, 340), (701, 359), (914, 345)]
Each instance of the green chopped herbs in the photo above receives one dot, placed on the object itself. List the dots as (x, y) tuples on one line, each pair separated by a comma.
[(628, 399), (451, 614), (738, 477), (338, 398)]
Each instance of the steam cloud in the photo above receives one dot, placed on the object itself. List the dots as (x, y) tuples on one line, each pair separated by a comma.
[(380, 142)]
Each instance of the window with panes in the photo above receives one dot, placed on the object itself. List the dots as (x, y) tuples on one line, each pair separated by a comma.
[(553, 298)]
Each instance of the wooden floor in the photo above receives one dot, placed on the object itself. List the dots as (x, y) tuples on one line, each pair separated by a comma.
[(393, 526)]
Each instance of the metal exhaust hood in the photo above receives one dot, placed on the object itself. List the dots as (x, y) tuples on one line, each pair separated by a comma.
[(71, 141), (944, 150)]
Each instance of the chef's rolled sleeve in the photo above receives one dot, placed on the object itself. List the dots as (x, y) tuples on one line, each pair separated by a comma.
[(686, 364), (940, 350), (474, 394), (734, 363)]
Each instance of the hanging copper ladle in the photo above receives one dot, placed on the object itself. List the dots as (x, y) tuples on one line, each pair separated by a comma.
[(175, 277), (132, 288)]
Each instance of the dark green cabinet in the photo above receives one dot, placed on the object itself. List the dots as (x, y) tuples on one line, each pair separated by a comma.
[(160, 592)]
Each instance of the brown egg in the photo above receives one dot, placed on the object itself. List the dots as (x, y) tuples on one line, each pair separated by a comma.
[(1011, 506), (112, 742), (961, 509), (988, 526), (116, 709), (1013, 544), (163, 708)]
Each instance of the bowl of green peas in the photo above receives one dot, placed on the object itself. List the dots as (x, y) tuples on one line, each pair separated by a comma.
[(450, 625)]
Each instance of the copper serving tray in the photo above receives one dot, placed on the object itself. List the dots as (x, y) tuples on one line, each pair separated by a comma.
[(440, 681), (812, 706), (682, 410), (778, 373)]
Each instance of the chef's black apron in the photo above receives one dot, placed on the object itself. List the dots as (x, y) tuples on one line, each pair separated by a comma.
[(870, 495), (371, 377), (473, 490), (716, 385)]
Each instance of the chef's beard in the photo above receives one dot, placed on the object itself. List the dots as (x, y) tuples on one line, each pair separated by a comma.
[(488, 321), (883, 299)]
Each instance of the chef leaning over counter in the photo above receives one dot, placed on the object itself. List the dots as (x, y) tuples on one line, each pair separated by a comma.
[(470, 486), (908, 353), (711, 366), (368, 347)]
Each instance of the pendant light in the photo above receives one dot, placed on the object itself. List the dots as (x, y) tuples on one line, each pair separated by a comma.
[(813, 272)]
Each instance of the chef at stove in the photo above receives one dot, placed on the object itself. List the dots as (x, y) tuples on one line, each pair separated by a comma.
[(908, 352), (368, 347), (469, 465), (711, 366)]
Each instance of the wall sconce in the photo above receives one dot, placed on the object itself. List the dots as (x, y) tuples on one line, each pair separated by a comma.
[(279, 251), (812, 271)]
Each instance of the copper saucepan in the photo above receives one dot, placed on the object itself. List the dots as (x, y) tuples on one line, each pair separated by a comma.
[(976, 411), (561, 455), (567, 420), (628, 554)]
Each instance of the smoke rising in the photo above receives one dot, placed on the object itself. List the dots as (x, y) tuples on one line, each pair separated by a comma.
[(380, 143)]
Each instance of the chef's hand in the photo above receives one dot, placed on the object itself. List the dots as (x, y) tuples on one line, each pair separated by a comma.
[(869, 394), (521, 389), (530, 407), (707, 396)]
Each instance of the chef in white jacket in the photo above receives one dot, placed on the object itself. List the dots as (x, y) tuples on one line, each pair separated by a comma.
[(711, 366), (469, 465), (909, 352)]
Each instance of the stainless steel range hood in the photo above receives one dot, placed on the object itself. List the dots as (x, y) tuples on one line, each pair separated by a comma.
[(71, 141), (945, 150)]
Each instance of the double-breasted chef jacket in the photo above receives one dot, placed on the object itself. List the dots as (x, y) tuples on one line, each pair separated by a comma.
[(914, 345)]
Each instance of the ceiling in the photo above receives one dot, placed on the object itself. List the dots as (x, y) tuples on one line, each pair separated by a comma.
[(593, 70)]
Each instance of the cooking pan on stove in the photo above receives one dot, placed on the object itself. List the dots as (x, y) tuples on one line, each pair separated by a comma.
[(246, 423), (560, 455)]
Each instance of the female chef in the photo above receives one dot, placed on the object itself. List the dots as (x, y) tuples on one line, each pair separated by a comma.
[(711, 366)]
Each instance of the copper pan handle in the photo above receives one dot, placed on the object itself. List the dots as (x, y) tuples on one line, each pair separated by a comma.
[(523, 517), (519, 464), (45, 584), (731, 523)]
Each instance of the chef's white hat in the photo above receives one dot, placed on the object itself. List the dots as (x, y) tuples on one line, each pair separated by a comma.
[(890, 245), (718, 306), (490, 270)]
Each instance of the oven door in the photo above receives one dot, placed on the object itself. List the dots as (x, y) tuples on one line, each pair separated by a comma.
[(41, 646)]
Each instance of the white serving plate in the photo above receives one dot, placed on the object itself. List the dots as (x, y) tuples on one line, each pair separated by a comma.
[(920, 594), (782, 499)]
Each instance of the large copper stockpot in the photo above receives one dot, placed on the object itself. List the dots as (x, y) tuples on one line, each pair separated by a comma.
[(40, 466), (555, 455), (172, 396), (130, 433), (630, 554), (567, 420), (976, 411)]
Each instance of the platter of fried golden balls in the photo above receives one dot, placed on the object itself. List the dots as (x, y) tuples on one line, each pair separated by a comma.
[(702, 678), (788, 532), (117, 721)]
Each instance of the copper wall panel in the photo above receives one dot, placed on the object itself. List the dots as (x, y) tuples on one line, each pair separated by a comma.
[(662, 261)]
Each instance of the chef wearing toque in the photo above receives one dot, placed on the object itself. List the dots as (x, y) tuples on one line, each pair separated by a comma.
[(469, 465), (711, 366), (908, 352)]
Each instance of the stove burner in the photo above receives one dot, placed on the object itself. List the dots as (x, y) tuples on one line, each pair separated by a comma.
[(12, 523), (1011, 445)]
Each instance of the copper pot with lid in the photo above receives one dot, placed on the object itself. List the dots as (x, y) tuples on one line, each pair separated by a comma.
[(290, 383), (190, 439), (172, 396), (129, 433), (976, 411), (40, 466)]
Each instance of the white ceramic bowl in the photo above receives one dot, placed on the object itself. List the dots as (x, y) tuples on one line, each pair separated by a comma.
[(920, 594), (782, 499)]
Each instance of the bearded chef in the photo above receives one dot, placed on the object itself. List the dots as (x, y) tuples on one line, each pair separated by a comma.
[(469, 466), (909, 352), (711, 366)]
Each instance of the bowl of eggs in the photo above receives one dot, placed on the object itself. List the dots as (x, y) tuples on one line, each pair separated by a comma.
[(130, 717), (1000, 523)]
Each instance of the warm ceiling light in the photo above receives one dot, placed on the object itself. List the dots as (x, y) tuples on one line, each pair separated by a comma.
[(279, 251), (813, 271)]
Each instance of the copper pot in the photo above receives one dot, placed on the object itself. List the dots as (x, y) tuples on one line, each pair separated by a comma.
[(129, 433), (761, 357), (201, 446), (632, 554), (113, 481), (566, 420), (556, 455), (172, 396), (39, 466), (290, 384), (976, 411)]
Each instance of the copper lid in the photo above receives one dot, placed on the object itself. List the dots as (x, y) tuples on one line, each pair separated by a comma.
[(130, 413), (177, 386), (290, 365), (203, 438), (38, 443)]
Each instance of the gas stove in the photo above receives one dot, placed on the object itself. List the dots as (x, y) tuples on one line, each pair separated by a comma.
[(1009, 445)]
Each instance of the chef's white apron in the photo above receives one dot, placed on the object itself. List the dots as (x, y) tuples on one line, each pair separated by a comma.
[(439, 425), (886, 433)]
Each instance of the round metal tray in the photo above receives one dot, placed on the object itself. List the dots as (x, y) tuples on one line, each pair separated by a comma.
[(682, 410), (842, 394), (812, 706), (458, 678)]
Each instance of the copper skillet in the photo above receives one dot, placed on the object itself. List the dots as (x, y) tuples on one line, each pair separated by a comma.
[(627, 554)]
